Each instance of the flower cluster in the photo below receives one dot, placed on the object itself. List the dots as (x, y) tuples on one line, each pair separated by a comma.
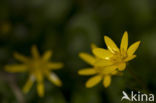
[(105, 63), (108, 62), (38, 67)]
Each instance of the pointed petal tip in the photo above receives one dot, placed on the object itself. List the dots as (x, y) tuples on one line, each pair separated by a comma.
[(125, 34), (59, 84), (107, 81), (111, 44), (87, 85), (6, 68), (87, 58), (79, 72), (133, 48), (106, 86), (93, 46), (139, 42), (80, 54), (105, 37)]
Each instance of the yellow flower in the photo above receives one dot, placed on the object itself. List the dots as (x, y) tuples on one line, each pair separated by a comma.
[(100, 72), (38, 67), (108, 62), (114, 55)]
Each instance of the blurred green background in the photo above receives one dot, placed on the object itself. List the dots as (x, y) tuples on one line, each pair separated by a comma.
[(68, 27)]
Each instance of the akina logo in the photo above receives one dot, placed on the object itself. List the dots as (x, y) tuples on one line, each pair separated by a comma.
[(137, 97)]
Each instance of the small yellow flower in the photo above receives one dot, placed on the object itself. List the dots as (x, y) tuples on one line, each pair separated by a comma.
[(38, 67), (108, 62), (114, 55), (100, 72)]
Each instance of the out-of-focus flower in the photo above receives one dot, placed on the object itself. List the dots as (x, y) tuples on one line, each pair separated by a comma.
[(100, 72), (114, 55), (38, 67), (108, 62), (5, 27)]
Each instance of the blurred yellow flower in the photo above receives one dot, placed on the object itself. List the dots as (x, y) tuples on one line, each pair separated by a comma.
[(108, 62), (5, 27), (114, 55), (38, 67)]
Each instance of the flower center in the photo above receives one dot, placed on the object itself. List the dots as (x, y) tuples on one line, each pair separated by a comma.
[(37, 65), (119, 57)]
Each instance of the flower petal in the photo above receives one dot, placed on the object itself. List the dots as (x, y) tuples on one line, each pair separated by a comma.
[(101, 63), (40, 89), (124, 42), (122, 66), (54, 79), (28, 84), (40, 86), (115, 72), (35, 52), (133, 48), (47, 55), (55, 65), (102, 53), (87, 71), (93, 81), (16, 68), (111, 45), (21, 57), (107, 69), (39, 76), (93, 46), (87, 58), (107, 81), (130, 58)]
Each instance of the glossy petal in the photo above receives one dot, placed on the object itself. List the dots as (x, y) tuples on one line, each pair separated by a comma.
[(93, 81), (130, 58), (111, 45), (28, 84), (16, 68), (124, 42), (87, 58), (133, 48), (54, 79), (40, 89), (101, 62), (47, 55), (122, 66), (87, 71), (102, 53), (35, 52), (53, 65), (107, 81), (21, 57), (108, 69)]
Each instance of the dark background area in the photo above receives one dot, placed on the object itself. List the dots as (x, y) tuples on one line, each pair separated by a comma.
[(69, 27)]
